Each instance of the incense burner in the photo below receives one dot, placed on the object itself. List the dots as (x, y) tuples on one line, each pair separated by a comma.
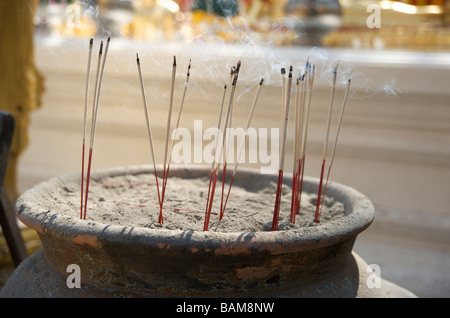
[(121, 261)]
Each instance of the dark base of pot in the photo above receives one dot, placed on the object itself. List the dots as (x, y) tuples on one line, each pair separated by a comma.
[(35, 278)]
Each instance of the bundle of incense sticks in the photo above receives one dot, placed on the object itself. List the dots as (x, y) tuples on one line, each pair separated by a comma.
[(303, 97), (98, 84), (302, 106), (168, 151), (234, 74)]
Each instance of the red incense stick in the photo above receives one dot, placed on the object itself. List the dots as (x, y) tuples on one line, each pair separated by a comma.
[(325, 146), (276, 212), (98, 85), (91, 42), (147, 117)]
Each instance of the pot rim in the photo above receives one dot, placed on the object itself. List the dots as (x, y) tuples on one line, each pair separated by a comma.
[(359, 215)]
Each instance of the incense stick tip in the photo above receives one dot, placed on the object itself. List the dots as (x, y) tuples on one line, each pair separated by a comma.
[(238, 66), (283, 70), (174, 61), (261, 81), (234, 81), (91, 41)]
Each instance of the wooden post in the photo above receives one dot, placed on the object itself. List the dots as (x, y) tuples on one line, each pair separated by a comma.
[(8, 220)]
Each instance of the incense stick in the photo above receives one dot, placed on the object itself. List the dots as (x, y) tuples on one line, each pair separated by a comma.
[(169, 119), (234, 74), (147, 117), (335, 141), (91, 42), (252, 110), (178, 122), (276, 211), (308, 78), (283, 98), (325, 146), (298, 137), (214, 171), (98, 85)]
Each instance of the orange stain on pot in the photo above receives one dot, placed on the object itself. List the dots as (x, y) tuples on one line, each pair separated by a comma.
[(86, 239), (252, 272)]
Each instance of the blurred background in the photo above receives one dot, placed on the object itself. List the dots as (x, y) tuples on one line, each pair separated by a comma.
[(394, 144)]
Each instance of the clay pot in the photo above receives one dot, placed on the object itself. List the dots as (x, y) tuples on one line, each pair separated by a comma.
[(117, 261)]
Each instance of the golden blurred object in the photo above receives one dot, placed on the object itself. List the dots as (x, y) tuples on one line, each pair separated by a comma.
[(153, 21), (21, 84), (410, 25), (85, 27), (391, 37)]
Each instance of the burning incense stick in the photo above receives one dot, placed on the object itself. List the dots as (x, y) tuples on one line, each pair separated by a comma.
[(98, 85), (227, 119), (178, 122), (91, 42), (169, 119), (283, 98), (276, 212), (147, 117), (252, 109), (298, 137), (213, 165), (234, 74), (308, 78), (335, 141), (325, 146)]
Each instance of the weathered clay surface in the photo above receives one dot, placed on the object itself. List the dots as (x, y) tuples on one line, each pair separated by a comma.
[(133, 261)]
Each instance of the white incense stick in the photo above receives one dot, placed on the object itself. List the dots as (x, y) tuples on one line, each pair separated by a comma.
[(276, 211), (235, 75), (283, 99), (325, 146), (178, 119), (335, 141), (147, 117), (286, 119), (298, 137), (91, 42), (308, 78), (169, 119), (213, 164)]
